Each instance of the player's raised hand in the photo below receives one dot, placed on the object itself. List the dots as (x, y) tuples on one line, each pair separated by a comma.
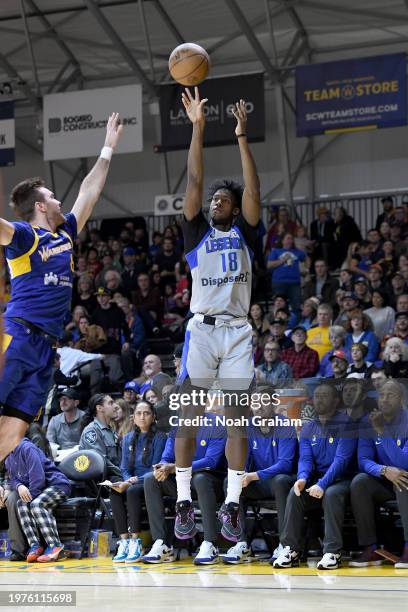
[(193, 105), (240, 114), (114, 130)]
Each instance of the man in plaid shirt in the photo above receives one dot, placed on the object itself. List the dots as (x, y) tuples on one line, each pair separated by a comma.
[(303, 360)]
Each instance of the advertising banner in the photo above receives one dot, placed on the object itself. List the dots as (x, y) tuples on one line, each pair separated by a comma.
[(222, 94), (7, 134), (169, 204), (349, 95), (75, 122)]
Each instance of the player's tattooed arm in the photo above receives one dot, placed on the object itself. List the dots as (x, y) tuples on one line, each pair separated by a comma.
[(251, 200), (195, 165), (93, 183)]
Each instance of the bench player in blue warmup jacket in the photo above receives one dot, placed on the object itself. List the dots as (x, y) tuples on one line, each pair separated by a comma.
[(39, 253)]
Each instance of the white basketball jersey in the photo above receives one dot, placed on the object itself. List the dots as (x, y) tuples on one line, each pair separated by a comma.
[(221, 267)]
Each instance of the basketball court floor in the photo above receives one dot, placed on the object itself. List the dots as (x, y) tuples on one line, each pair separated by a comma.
[(254, 587)]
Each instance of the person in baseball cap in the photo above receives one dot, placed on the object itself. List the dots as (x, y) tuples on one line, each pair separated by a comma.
[(69, 392), (339, 363), (103, 291), (131, 393)]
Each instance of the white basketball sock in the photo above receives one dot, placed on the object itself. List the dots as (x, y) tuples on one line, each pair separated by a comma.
[(234, 489), (183, 480)]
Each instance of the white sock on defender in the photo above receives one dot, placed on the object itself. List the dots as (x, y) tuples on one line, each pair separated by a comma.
[(234, 488), (183, 480)]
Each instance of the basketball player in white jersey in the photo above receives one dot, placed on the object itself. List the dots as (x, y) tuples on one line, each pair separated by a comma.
[(218, 337)]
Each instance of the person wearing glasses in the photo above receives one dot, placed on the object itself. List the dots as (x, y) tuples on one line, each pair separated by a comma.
[(273, 369)]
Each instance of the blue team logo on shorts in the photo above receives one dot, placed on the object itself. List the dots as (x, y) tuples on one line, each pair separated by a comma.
[(90, 437)]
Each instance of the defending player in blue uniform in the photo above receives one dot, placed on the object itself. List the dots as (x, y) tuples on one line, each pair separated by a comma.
[(39, 253), (218, 341)]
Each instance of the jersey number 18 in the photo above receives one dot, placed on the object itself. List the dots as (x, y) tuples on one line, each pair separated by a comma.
[(232, 264)]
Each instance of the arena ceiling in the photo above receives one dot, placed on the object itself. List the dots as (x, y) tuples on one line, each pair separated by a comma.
[(52, 46)]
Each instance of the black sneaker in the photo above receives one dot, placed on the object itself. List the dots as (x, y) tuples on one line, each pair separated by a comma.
[(184, 526), (16, 556), (228, 516)]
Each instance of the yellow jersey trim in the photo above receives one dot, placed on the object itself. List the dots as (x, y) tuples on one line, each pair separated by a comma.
[(64, 233), (22, 265)]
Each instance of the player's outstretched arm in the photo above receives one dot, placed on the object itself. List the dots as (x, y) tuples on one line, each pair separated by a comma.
[(93, 183), (195, 165), (6, 232), (251, 199)]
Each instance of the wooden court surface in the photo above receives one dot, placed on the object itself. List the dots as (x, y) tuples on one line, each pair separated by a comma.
[(101, 585)]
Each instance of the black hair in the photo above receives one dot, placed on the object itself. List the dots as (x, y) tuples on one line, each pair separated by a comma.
[(149, 438), (236, 189), (90, 414)]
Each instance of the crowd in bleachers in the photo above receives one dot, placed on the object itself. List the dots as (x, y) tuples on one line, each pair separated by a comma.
[(329, 305)]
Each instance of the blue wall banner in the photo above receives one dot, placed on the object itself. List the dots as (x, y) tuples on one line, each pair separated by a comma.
[(222, 93), (7, 134), (351, 95)]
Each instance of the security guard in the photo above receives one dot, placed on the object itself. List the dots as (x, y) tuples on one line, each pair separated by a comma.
[(97, 434)]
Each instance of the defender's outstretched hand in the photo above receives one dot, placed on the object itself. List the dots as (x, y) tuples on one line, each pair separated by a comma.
[(193, 105), (114, 130), (240, 115)]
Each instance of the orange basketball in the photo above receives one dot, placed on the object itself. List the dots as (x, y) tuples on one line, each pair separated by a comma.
[(189, 64)]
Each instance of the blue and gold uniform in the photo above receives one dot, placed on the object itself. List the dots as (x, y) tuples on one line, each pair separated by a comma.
[(41, 270)]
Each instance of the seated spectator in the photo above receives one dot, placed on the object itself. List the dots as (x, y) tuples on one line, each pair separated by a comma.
[(323, 480), (165, 262), (318, 335), (359, 368), (131, 270), (142, 448), (378, 377), (277, 329), (308, 314), (98, 435), (94, 265), (399, 287), (41, 487), (153, 375), (355, 401), (148, 302), (358, 331), (376, 279), (389, 262), (116, 249), (112, 282), (113, 321), (374, 238), (134, 322), (339, 363), (346, 280), (286, 279), (85, 296), (131, 394), (91, 338), (273, 370), (395, 356), (383, 461), (207, 485), (323, 285), (400, 328), (348, 303), (155, 247), (269, 469), (282, 303), (258, 319), (303, 361), (381, 315), (257, 348), (65, 429), (362, 291), (337, 336), (122, 419), (73, 326), (152, 395)]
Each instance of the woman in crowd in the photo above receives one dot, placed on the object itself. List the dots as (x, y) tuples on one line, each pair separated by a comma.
[(122, 419), (382, 316), (359, 368), (337, 336), (141, 449), (389, 261), (358, 328), (152, 395), (308, 315), (85, 293), (257, 348), (73, 326), (258, 320), (395, 356)]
